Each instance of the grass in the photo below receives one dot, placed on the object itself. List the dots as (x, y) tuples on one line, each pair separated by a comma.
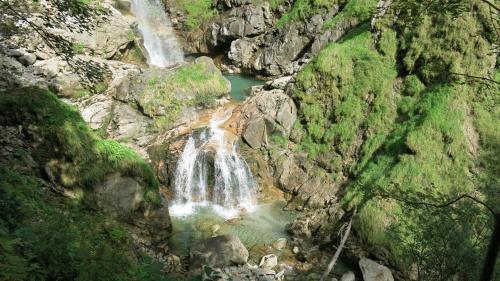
[(47, 238), (430, 140), (359, 10), (197, 12), (302, 10), (70, 149), (197, 84), (344, 77), (79, 48)]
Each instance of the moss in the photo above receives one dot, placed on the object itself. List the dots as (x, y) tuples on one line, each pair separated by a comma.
[(196, 84), (44, 237), (67, 146), (302, 10), (358, 10), (352, 85), (197, 11), (442, 44)]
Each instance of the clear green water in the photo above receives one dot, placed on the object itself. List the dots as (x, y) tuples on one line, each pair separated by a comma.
[(240, 85), (263, 226)]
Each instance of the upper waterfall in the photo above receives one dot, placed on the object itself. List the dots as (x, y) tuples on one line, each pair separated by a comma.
[(210, 171), (158, 34)]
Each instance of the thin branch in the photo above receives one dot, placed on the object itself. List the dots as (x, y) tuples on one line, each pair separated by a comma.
[(493, 6), (447, 204), (335, 257), (476, 77)]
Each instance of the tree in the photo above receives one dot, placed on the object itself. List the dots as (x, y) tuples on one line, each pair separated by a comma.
[(28, 18)]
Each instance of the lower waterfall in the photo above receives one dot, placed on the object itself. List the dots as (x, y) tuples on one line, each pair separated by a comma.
[(210, 172)]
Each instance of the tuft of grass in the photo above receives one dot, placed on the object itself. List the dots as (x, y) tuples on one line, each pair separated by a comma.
[(79, 48)]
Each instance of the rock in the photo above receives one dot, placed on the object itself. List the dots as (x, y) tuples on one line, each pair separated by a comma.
[(109, 38), (300, 228), (241, 21), (263, 114), (241, 52), (348, 276), (125, 5), (268, 261), (241, 273), (119, 196), (96, 110), (373, 271), (27, 59), (219, 251), (279, 83), (127, 123), (295, 250), (254, 133), (280, 244)]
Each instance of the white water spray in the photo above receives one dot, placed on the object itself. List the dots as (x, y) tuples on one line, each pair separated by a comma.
[(210, 172), (158, 34)]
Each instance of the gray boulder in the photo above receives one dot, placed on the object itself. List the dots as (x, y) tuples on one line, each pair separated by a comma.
[(119, 196), (373, 271), (266, 113), (218, 251)]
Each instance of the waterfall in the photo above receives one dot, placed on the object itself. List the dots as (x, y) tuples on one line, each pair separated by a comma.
[(158, 34), (210, 172)]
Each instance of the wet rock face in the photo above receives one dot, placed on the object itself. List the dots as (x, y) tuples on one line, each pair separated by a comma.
[(217, 251)]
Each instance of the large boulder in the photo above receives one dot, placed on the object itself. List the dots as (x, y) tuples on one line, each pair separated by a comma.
[(119, 196), (218, 251), (112, 36), (373, 271), (263, 114)]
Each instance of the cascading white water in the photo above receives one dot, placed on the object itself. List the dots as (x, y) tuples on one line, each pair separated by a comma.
[(231, 187), (158, 34)]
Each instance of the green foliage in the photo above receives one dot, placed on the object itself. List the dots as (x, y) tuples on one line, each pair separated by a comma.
[(358, 10), (440, 44), (49, 238), (197, 84), (302, 10), (79, 48), (70, 150), (352, 86), (197, 11)]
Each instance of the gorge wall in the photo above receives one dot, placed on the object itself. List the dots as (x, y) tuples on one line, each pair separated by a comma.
[(366, 108)]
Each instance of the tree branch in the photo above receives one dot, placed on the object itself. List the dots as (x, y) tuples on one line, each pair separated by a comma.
[(335, 257), (475, 77)]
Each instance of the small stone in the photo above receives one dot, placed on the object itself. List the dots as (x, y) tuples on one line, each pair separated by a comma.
[(280, 244), (269, 261), (27, 59), (295, 250), (348, 276), (373, 271)]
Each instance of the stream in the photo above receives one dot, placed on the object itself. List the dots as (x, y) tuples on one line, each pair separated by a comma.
[(214, 190)]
